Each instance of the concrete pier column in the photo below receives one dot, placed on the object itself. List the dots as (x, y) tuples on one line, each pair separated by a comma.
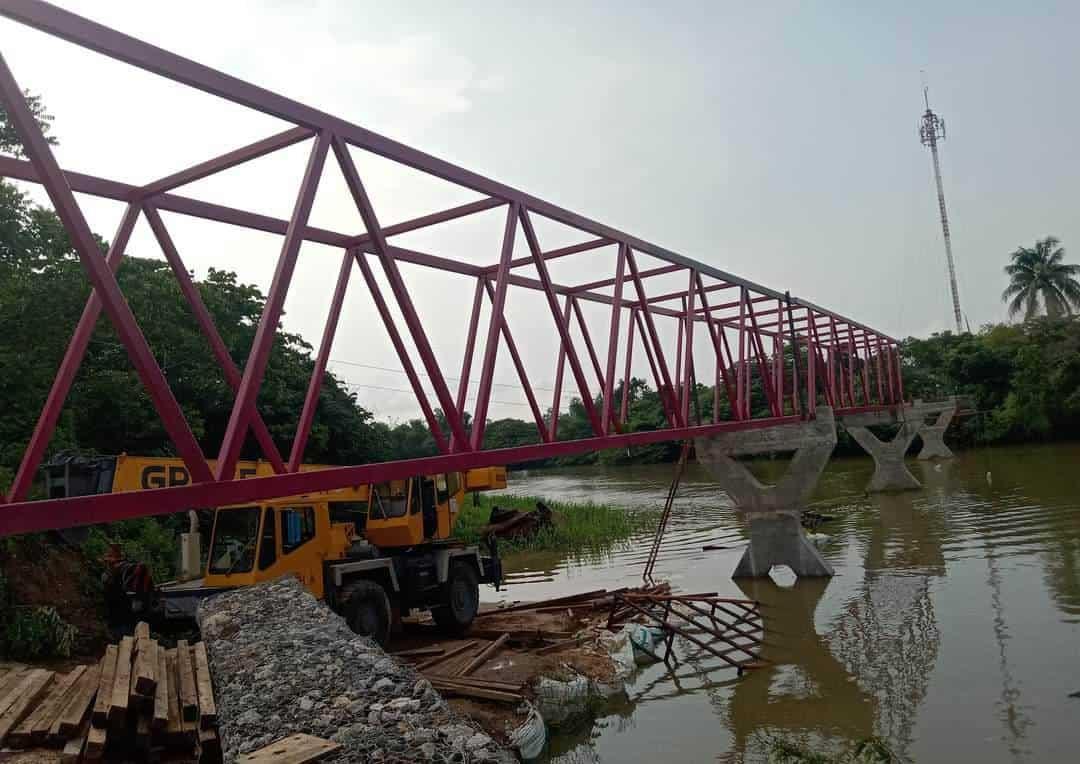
[(772, 511), (890, 472), (933, 435)]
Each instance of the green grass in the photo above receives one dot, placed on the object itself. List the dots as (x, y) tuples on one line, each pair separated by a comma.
[(585, 527)]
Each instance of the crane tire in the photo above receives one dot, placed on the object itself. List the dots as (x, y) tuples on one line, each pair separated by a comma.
[(460, 598), (367, 609)]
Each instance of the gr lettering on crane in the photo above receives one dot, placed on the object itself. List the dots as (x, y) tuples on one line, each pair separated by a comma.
[(162, 476)]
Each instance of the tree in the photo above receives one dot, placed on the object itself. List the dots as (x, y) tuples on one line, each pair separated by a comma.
[(10, 142), (1039, 273)]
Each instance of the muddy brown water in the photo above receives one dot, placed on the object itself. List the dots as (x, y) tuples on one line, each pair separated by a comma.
[(951, 628)]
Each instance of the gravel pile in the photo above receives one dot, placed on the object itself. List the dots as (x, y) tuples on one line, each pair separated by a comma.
[(283, 663)]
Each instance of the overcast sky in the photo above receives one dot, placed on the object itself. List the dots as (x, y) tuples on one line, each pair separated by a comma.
[(777, 141)]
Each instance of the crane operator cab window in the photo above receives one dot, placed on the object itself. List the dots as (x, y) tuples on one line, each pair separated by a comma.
[(389, 500), (297, 527), (235, 536)]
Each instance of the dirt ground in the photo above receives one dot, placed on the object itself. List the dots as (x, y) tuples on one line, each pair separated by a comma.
[(58, 575)]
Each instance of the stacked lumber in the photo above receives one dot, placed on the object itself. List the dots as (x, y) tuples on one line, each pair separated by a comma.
[(141, 701)]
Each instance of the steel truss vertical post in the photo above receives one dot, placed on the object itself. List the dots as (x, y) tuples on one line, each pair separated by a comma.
[(743, 377), (399, 348), (563, 326), (560, 368), (642, 331), (688, 348), (613, 342), (491, 347), (255, 368), (759, 349), (101, 276), (624, 407), (470, 346), (209, 330), (69, 366), (311, 400), (680, 328), (400, 292), (511, 346)]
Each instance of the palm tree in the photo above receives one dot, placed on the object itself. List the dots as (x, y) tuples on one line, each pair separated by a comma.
[(1038, 272)]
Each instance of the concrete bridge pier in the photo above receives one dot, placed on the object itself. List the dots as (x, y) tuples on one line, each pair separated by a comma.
[(890, 471), (773, 511), (933, 435)]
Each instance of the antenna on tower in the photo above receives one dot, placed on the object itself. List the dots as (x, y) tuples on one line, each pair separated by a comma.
[(932, 130)]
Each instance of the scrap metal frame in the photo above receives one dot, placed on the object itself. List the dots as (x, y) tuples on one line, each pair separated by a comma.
[(765, 341)]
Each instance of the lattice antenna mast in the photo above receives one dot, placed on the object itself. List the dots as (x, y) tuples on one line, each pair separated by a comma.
[(931, 130)]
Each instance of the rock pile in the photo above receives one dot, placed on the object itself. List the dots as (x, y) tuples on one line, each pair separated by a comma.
[(283, 663)]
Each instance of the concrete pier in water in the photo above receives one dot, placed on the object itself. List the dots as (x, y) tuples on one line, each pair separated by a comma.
[(890, 471), (773, 511)]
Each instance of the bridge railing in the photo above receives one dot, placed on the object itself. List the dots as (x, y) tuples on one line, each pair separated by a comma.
[(794, 352)]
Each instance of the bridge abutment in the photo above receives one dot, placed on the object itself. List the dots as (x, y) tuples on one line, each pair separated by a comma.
[(772, 511)]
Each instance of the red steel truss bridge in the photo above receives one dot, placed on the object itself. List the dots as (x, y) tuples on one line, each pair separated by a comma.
[(749, 330)]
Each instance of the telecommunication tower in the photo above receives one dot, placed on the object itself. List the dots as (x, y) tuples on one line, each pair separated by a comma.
[(932, 130)]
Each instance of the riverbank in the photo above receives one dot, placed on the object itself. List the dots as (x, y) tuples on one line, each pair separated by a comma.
[(576, 527)]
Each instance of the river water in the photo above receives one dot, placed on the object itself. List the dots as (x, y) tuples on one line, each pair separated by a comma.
[(951, 628)]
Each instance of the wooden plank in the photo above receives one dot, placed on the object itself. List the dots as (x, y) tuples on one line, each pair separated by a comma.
[(446, 656), (15, 688), (79, 702), (173, 729), (210, 744), (96, 740), (145, 668), (121, 690), (161, 693), (105, 685), (420, 652), (31, 690), (204, 687), (294, 749), (484, 656), (189, 697), (474, 682), (35, 727), (471, 691), (142, 631), (73, 748)]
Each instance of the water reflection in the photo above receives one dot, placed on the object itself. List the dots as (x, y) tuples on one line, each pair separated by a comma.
[(951, 630)]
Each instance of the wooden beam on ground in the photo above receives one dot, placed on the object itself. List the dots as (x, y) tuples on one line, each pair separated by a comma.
[(484, 655), (73, 749), (79, 702), (419, 652), (30, 691), (161, 693), (145, 669), (96, 739), (35, 727), (446, 656), (173, 729), (105, 685), (472, 691), (142, 630), (294, 749), (204, 687), (121, 690), (189, 697)]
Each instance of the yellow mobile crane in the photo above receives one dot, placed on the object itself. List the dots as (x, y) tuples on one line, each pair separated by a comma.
[(374, 552)]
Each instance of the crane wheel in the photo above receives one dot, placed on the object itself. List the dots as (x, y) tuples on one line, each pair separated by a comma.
[(460, 597), (367, 609)]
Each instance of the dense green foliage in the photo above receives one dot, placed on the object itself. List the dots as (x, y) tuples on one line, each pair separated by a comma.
[(1040, 273), (28, 632), (1022, 380)]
